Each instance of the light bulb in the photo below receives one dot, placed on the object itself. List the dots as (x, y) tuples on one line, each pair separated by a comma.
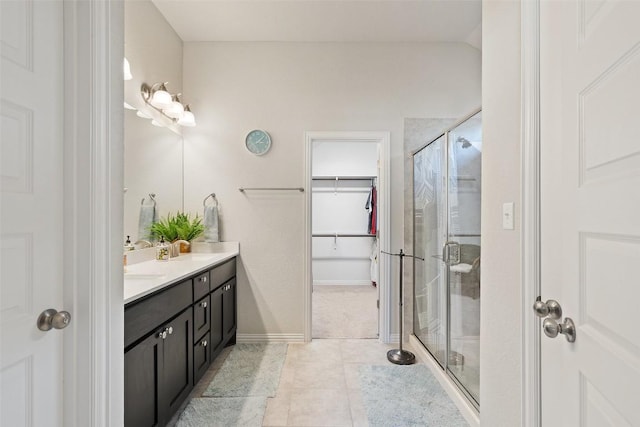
[(175, 110), (187, 119), (127, 70), (129, 106), (155, 123), (160, 98)]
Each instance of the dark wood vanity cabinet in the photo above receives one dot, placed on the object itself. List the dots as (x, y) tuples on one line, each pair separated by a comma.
[(158, 373), (229, 316), (223, 306), (171, 338)]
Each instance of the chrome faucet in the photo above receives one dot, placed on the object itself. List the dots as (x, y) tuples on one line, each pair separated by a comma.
[(174, 248), (144, 244)]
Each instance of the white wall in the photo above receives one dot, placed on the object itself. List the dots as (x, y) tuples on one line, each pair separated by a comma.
[(501, 329), (153, 155), (287, 89), (339, 207)]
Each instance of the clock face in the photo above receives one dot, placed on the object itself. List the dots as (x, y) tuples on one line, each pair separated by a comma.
[(258, 142)]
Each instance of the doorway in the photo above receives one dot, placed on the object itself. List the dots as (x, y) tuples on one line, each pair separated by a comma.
[(447, 202), (347, 290)]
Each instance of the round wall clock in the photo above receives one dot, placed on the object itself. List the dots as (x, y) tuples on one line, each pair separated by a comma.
[(258, 142)]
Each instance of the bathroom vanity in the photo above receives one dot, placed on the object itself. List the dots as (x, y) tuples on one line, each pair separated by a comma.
[(178, 315)]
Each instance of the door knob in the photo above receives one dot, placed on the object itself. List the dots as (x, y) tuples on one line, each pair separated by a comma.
[(53, 319), (567, 328), (551, 309)]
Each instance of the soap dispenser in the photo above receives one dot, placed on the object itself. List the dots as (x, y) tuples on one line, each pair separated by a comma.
[(162, 250), (128, 246)]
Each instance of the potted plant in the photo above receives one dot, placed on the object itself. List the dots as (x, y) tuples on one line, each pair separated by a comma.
[(178, 227), (188, 229), (165, 227)]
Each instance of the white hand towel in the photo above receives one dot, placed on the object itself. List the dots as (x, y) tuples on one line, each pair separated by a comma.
[(148, 216), (210, 221)]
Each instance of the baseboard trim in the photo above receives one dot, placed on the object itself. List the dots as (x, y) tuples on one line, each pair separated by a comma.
[(342, 282), (466, 408), (268, 338)]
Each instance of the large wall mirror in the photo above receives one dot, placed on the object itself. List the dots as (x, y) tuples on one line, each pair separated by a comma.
[(153, 156)]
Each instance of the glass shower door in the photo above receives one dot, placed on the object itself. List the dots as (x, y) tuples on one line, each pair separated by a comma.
[(463, 195), (447, 197), (430, 297)]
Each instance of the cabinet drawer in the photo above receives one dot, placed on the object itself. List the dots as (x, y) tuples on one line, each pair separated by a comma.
[(201, 357), (143, 317), (223, 273), (201, 317), (201, 286)]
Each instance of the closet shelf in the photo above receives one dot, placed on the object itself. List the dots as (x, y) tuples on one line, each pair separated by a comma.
[(343, 178), (343, 235)]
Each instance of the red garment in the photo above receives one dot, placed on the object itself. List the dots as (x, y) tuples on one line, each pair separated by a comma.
[(374, 211)]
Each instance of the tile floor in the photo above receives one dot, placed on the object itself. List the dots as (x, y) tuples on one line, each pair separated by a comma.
[(319, 384)]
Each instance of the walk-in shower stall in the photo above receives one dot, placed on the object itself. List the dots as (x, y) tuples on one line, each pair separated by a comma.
[(446, 212)]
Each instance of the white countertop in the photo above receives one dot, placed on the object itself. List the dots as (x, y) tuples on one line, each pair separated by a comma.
[(146, 276)]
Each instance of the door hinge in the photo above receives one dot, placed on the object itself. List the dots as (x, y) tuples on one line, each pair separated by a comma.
[(378, 304)]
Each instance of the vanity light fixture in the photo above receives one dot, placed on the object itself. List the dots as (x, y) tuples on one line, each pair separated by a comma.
[(170, 106), (160, 98), (176, 109), (143, 115), (127, 70), (187, 118)]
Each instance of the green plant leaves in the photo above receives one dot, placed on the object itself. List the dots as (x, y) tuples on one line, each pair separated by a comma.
[(178, 227)]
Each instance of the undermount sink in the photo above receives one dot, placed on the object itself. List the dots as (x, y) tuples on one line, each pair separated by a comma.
[(141, 276)]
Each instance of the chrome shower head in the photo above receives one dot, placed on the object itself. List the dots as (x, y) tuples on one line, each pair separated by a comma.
[(465, 142)]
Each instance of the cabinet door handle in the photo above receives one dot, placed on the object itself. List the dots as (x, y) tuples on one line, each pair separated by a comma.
[(203, 343), (204, 279), (203, 304), (170, 330), (162, 334)]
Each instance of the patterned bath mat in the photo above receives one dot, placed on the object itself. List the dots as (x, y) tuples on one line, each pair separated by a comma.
[(223, 412), (249, 370), (402, 396)]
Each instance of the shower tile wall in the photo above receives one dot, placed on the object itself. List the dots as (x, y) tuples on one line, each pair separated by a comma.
[(417, 132)]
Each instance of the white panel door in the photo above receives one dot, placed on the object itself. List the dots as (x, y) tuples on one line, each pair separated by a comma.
[(31, 210), (590, 158)]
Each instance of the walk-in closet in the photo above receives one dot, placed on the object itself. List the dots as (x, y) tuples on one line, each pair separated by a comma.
[(344, 239)]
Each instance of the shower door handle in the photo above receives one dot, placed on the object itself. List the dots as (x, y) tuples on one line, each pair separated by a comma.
[(448, 249)]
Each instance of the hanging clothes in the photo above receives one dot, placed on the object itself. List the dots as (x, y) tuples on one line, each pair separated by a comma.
[(368, 208), (372, 208), (374, 211)]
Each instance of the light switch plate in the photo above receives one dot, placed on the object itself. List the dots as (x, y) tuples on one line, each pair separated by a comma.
[(507, 216)]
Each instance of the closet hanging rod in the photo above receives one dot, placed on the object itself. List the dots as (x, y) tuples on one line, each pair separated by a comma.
[(343, 178), (243, 189), (343, 235)]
